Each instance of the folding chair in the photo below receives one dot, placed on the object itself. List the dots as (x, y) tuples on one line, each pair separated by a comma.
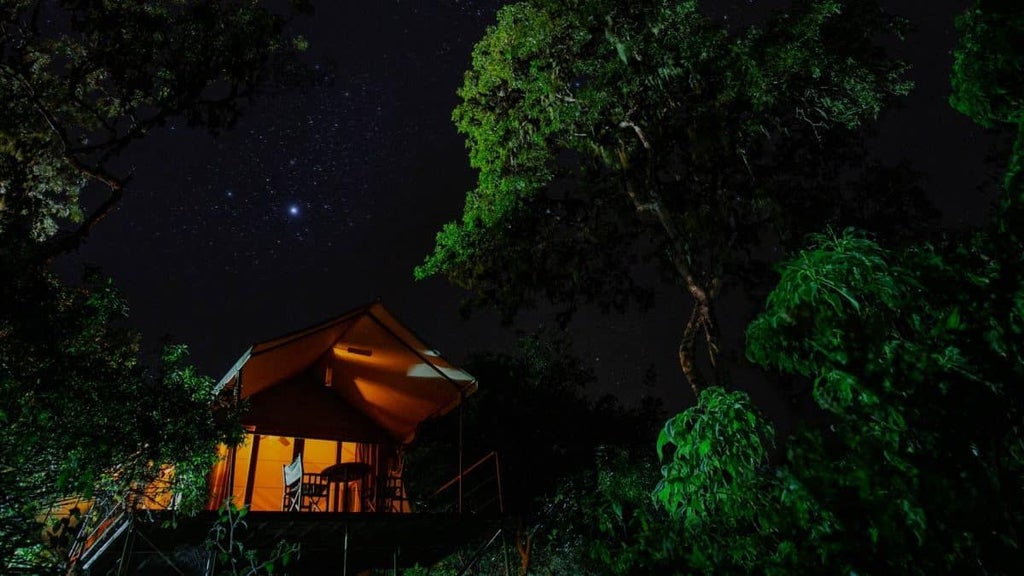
[(314, 491), (292, 501), (302, 491)]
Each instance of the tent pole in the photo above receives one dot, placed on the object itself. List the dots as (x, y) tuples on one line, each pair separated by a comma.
[(344, 564), (461, 404), (250, 478), (237, 397)]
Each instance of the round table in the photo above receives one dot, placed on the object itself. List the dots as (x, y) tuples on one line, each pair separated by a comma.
[(340, 475)]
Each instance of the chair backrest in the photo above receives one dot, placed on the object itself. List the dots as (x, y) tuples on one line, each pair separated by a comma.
[(293, 471), (292, 500)]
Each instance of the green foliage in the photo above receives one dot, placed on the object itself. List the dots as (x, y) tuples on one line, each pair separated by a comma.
[(590, 120), (192, 420), (80, 81), (914, 356), (986, 78), (608, 524), (826, 321), (81, 416), (988, 87), (719, 451), (736, 512), (233, 558)]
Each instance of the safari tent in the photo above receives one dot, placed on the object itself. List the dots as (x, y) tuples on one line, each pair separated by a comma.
[(336, 403), (352, 389)]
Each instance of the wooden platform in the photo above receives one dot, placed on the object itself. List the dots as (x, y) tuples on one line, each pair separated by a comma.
[(373, 541)]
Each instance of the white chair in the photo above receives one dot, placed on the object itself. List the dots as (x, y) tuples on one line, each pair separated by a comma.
[(302, 491)]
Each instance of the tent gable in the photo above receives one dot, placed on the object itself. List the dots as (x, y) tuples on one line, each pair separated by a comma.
[(364, 361)]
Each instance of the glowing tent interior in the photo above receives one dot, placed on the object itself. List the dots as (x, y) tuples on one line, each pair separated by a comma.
[(353, 389)]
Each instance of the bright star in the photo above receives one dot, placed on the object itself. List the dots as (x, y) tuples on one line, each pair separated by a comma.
[(293, 209)]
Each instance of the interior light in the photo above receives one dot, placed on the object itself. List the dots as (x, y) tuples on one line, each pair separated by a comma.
[(360, 351)]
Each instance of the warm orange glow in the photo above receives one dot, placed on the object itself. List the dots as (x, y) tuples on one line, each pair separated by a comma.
[(274, 453), (386, 400), (218, 479), (159, 495), (349, 354), (58, 515)]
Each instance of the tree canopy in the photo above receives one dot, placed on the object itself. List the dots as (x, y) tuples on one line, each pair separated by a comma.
[(83, 80), (603, 130), (80, 82), (914, 355)]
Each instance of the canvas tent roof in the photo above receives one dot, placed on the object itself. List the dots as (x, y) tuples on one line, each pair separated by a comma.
[(359, 377)]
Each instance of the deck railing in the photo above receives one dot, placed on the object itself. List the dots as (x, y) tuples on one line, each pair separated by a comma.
[(105, 521), (476, 490)]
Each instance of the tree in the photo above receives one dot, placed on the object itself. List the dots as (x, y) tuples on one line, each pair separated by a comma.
[(914, 356), (714, 483), (988, 88), (80, 82), (81, 415), (986, 82), (915, 360), (913, 467), (603, 130)]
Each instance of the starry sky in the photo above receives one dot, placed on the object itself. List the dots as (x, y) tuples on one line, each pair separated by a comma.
[(325, 198)]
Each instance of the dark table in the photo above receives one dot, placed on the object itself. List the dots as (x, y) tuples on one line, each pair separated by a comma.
[(340, 475)]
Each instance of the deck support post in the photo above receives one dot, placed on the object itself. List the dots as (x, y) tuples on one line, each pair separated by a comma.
[(461, 404)]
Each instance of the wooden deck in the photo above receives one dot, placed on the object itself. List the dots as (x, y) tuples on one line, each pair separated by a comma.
[(373, 541)]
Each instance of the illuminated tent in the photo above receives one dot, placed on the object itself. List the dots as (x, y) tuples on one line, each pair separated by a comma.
[(353, 388), (346, 394)]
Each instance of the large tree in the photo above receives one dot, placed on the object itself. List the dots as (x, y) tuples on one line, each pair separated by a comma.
[(80, 81), (605, 130), (915, 357)]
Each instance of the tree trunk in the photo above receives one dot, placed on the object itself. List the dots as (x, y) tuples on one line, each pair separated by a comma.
[(701, 318), (688, 352), (523, 544)]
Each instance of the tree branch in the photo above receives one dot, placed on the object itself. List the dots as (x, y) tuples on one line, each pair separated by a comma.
[(59, 245), (639, 133)]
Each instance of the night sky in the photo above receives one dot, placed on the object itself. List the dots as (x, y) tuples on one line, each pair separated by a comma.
[(320, 200)]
